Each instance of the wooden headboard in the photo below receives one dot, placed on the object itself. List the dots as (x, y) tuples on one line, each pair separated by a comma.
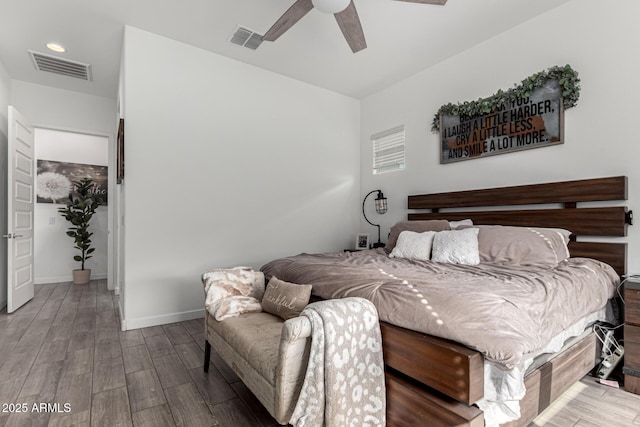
[(582, 221)]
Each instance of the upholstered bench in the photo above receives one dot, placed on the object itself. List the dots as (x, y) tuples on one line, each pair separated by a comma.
[(269, 355)]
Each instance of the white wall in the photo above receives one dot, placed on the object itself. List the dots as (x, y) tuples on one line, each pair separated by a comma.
[(54, 250), (4, 104), (598, 39), (48, 107), (226, 164), (58, 109)]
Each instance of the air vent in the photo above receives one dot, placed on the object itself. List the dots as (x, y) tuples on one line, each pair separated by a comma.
[(53, 64), (243, 36)]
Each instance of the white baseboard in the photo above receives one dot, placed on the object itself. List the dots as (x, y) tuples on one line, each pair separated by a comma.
[(61, 279), (145, 322), (123, 322)]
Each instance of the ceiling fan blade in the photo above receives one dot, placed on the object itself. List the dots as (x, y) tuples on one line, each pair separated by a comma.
[(349, 23), (439, 2), (288, 19)]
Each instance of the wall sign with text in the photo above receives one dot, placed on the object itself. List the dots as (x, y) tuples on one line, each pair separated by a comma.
[(531, 122)]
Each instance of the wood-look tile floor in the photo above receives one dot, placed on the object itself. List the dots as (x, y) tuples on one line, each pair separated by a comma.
[(65, 347), (590, 404)]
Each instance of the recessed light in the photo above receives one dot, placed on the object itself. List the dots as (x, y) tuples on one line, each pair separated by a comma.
[(56, 47)]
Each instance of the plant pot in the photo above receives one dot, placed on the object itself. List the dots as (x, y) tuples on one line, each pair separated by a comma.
[(81, 277)]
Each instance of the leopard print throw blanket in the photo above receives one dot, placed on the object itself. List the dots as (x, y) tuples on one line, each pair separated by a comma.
[(233, 291), (344, 382)]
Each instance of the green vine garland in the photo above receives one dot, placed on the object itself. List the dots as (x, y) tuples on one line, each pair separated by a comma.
[(567, 78)]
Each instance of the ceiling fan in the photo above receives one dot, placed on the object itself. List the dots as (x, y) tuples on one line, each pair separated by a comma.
[(344, 11)]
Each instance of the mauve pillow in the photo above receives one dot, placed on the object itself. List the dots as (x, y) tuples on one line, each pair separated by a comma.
[(542, 247), (566, 234), (417, 226), (284, 299)]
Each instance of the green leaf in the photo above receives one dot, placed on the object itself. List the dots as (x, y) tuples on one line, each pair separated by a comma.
[(567, 78), (79, 211)]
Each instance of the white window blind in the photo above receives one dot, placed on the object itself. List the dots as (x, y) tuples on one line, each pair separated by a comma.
[(388, 150)]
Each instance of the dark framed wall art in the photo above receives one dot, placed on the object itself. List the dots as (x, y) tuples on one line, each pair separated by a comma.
[(120, 153)]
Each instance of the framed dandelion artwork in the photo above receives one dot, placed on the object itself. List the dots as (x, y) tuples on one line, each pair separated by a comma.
[(54, 180)]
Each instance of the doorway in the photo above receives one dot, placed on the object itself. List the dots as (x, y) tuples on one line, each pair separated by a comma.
[(61, 157)]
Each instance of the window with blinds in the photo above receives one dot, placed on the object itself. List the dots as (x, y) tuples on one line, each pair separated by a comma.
[(388, 150)]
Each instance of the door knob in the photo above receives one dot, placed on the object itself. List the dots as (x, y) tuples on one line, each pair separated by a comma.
[(12, 236)]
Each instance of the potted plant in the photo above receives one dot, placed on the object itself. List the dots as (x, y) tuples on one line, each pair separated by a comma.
[(79, 210)]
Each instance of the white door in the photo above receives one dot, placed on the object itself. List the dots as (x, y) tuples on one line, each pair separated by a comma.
[(20, 198)]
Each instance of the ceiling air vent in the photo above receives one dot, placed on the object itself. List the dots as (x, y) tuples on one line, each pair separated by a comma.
[(53, 64), (245, 37)]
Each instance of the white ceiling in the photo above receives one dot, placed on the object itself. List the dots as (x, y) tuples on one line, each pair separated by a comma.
[(402, 38)]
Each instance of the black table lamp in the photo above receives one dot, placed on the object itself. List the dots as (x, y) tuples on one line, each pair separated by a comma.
[(381, 207)]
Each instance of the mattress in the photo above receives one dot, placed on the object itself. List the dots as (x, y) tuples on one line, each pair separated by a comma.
[(503, 389)]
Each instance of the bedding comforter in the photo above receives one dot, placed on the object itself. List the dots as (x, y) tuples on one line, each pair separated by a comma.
[(505, 312)]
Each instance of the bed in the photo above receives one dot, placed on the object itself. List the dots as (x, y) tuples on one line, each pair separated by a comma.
[(434, 374)]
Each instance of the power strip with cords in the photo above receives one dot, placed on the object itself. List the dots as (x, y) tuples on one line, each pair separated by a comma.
[(609, 363)]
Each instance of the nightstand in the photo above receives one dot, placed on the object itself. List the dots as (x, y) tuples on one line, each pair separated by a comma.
[(631, 368)]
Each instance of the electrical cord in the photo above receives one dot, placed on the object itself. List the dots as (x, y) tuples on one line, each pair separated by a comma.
[(600, 329), (630, 278)]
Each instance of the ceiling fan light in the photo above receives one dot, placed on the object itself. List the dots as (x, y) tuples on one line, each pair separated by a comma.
[(330, 6)]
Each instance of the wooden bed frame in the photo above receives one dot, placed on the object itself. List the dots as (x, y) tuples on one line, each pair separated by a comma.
[(432, 381)]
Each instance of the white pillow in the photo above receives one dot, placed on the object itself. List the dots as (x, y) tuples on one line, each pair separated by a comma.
[(413, 245), (456, 247), (456, 224)]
